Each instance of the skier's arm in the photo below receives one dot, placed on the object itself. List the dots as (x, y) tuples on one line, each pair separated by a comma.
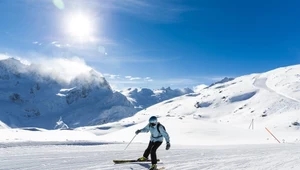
[(144, 130), (165, 134)]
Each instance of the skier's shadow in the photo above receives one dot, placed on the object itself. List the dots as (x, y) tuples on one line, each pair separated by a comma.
[(144, 165)]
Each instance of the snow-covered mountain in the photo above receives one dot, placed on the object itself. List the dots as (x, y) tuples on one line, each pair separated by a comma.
[(31, 97), (142, 98), (235, 111), (231, 113)]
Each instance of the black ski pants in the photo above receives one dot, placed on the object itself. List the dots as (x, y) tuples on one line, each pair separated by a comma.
[(152, 147)]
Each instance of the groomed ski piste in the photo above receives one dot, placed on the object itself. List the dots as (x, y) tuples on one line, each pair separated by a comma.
[(227, 132), (99, 157)]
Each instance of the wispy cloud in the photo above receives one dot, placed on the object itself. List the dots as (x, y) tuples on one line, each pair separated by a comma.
[(4, 56), (62, 70), (111, 76), (61, 48), (158, 10), (198, 88), (120, 82), (154, 10), (136, 59), (191, 82), (148, 79), (132, 78)]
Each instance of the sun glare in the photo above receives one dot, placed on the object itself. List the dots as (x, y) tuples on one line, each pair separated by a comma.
[(80, 26)]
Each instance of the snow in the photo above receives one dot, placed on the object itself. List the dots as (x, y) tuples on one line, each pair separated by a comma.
[(95, 156), (33, 134), (209, 129), (35, 95)]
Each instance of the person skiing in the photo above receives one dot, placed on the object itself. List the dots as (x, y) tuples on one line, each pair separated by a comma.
[(157, 131)]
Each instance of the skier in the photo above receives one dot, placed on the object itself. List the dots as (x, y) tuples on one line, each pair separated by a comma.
[(157, 131)]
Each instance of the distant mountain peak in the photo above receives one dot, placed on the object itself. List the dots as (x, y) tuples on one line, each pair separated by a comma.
[(143, 97), (224, 80)]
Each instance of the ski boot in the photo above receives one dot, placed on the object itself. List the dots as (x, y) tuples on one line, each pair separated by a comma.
[(142, 159), (153, 167)]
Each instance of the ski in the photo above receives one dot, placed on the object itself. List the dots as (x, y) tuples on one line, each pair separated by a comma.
[(130, 161)]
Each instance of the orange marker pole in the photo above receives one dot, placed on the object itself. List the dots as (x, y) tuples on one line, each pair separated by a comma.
[(272, 134)]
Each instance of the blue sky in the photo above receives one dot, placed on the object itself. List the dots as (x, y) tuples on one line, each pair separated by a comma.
[(140, 43)]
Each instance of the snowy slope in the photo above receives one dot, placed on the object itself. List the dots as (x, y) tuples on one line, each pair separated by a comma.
[(225, 112), (142, 98), (89, 156), (40, 96)]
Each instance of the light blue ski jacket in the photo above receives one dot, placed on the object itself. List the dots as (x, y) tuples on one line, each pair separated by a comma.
[(155, 135)]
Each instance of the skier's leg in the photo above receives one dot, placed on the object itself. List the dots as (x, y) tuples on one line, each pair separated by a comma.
[(153, 152), (148, 150)]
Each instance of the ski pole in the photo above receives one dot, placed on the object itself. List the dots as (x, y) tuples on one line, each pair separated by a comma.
[(130, 142)]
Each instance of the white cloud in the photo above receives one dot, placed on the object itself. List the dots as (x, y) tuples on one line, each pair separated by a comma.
[(4, 56), (148, 79), (154, 10), (163, 11), (198, 88), (58, 45), (132, 78), (111, 76), (196, 83), (61, 69), (135, 78), (135, 59)]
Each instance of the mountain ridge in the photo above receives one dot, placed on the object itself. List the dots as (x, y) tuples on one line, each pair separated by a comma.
[(34, 95)]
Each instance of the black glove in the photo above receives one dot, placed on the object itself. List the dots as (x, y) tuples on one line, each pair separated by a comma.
[(168, 146), (137, 132)]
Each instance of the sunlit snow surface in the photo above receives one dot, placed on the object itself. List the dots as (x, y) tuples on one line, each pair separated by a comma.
[(89, 156)]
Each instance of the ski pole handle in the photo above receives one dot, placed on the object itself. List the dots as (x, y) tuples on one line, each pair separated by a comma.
[(130, 142)]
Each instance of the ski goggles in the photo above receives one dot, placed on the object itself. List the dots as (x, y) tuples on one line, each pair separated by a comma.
[(152, 124)]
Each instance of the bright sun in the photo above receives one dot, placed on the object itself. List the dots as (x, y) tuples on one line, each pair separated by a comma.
[(80, 26)]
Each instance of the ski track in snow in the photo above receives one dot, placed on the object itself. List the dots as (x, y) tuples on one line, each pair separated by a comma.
[(262, 84), (99, 157)]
